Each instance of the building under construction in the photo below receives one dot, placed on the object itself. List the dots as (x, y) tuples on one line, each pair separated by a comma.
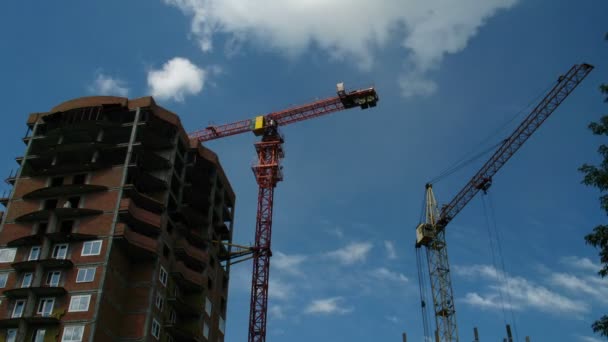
[(113, 229)]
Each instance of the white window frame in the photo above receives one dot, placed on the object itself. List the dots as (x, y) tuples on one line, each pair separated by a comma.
[(3, 279), (155, 329), (38, 337), (37, 249), (208, 306), (163, 276), (77, 301), (72, 329), (11, 335), (85, 271), (59, 247), (42, 304), (172, 317), (91, 245), (49, 278), (29, 276), (7, 254), (205, 330), (159, 301), (17, 303)]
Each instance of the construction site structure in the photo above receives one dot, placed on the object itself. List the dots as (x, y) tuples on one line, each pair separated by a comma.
[(268, 172), (430, 234), (109, 226)]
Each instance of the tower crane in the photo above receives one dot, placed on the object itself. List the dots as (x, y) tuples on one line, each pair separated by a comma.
[(268, 172), (430, 234)]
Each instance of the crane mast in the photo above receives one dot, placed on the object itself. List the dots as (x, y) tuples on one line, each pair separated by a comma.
[(431, 233), (268, 172)]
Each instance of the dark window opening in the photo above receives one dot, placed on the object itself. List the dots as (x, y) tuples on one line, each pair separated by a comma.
[(66, 227), (74, 202), (224, 283), (42, 226), (223, 307), (50, 204), (57, 181), (209, 284), (79, 179), (166, 251), (169, 228), (212, 262)]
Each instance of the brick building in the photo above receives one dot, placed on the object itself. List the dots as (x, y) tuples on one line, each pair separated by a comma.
[(112, 229)]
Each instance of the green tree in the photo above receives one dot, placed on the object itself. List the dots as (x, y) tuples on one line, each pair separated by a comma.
[(597, 176)]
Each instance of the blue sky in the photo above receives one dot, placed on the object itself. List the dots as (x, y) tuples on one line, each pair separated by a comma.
[(448, 74)]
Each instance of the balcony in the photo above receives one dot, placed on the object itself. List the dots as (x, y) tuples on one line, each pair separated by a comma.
[(34, 320), (188, 279), (28, 240), (222, 230), (43, 291), (145, 180), (193, 217), (192, 256), (12, 177), (61, 213), (184, 308), (60, 237), (143, 200), (64, 190), (150, 160), (30, 265), (140, 220), (137, 246), (180, 334)]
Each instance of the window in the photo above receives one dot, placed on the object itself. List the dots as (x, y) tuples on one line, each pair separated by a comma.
[(34, 253), (60, 251), (73, 333), (38, 335), (27, 279), (85, 275), (3, 279), (11, 335), (206, 330), (42, 226), (172, 317), (162, 276), (7, 254), (18, 309), (155, 329), (208, 306), (159, 301), (79, 303), (52, 278), (91, 248), (45, 306), (222, 325)]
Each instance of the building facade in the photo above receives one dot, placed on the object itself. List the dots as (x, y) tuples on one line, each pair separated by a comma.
[(114, 229)]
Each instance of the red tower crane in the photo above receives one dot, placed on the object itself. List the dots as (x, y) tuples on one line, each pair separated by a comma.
[(268, 172), (431, 233)]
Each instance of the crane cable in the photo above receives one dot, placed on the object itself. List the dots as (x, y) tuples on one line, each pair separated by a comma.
[(466, 160), (501, 272), (423, 295)]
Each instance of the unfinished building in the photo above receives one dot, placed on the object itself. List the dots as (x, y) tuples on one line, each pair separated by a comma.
[(113, 228)]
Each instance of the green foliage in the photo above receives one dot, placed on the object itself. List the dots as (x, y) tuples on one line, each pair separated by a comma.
[(597, 176)]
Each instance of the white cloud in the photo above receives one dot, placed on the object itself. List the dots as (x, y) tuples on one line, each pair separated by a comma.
[(393, 319), (391, 253), (276, 311), (177, 78), (584, 264), (385, 274), (352, 253), (589, 339), (517, 292), (108, 85), (354, 29), (594, 287), (328, 306), (277, 289), (288, 263)]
